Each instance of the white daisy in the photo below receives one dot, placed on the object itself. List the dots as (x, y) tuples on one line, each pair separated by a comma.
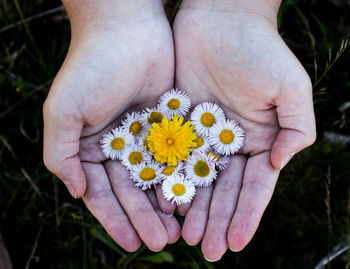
[(168, 171), (153, 115), (133, 124), (115, 142), (200, 169), (204, 116), (178, 189), (146, 174), (202, 144), (142, 141), (221, 161), (226, 137), (134, 155), (175, 102)]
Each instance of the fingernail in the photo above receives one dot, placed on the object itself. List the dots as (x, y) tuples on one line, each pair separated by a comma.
[(71, 189), (209, 260), (169, 215), (154, 250), (234, 250), (285, 161), (192, 245)]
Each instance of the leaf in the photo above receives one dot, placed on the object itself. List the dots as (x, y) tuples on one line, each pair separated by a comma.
[(106, 239), (159, 258)]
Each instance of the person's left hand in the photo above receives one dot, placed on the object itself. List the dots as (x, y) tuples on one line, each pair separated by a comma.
[(235, 57)]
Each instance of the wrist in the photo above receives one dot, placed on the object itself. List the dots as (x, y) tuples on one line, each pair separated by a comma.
[(266, 8), (110, 13)]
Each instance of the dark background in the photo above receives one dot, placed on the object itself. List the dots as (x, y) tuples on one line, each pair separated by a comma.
[(43, 227)]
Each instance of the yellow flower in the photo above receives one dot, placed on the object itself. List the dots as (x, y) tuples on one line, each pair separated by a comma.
[(171, 141)]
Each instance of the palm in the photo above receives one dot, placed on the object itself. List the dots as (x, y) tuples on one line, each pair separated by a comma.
[(105, 73), (246, 67)]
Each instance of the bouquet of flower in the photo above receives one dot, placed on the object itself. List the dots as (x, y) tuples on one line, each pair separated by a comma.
[(158, 146)]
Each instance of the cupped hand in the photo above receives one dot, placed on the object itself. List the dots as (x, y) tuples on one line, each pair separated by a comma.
[(234, 56), (120, 56)]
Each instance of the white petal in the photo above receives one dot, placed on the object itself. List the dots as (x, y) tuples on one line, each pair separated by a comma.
[(202, 108), (198, 180), (182, 97), (235, 145), (167, 189)]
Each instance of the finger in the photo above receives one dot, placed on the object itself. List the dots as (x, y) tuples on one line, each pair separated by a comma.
[(102, 203), (183, 209), (222, 206), (62, 130), (165, 206), (138, 207), (297, 121), (170, 223), (258, 184), (197, 216)]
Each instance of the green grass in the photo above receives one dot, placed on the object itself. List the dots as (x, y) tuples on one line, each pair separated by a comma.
[(43, 227)]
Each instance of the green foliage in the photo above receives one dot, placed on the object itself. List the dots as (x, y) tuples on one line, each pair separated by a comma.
[(43, 227)]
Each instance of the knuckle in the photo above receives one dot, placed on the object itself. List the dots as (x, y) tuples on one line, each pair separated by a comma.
[(51, 108), (228, 184), (47, 106), (310, 138), (300, 83), (49, 163), (259, 186), (98, 194), (219, 218), (304, 83), (112, 221)]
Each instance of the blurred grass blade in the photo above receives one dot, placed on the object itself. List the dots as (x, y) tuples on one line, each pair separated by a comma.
[(35, 246), (23, 171), (28, 19), (159, 258), (25, 97), (101, 235), (343, 47), (31, 38), (125, 261), (330, 257)]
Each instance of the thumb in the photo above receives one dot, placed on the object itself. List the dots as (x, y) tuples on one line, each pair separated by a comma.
[(62, 131), (297, 121)]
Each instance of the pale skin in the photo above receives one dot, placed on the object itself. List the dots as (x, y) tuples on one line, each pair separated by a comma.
[(231, 52), (226, 51), (120, 56)]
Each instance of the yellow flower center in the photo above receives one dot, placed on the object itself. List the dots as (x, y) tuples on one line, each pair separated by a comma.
[(147, 174), (155, 117), (207, 119), (215, 157), (135, 157), (174, 104), (169, 141), (178, 189), (135, 127), (226, 136), (168, 171), (201, 169), (118, 143), (199, 141)]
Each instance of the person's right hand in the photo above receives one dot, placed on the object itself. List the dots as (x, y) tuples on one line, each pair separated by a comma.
[(121, 55)]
